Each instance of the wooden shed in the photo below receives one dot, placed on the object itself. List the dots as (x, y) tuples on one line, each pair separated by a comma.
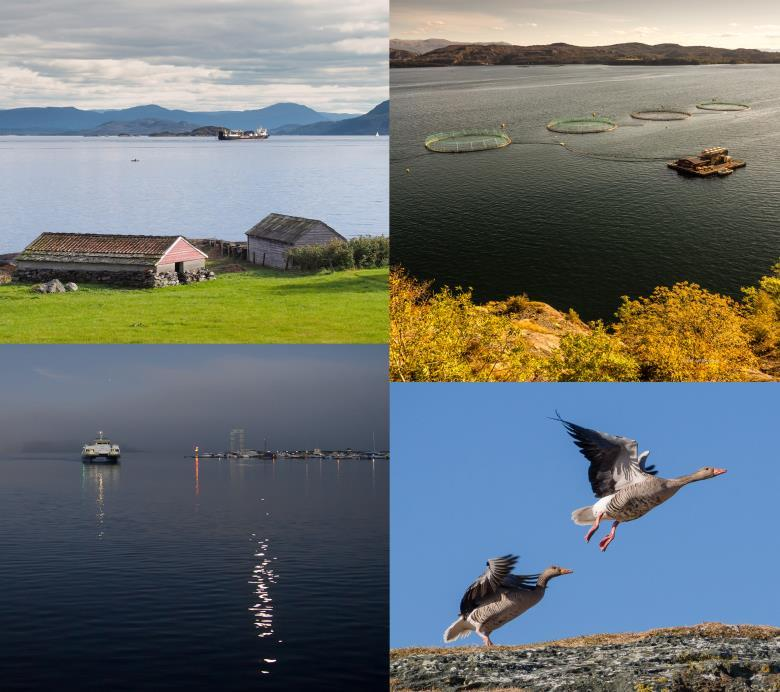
[(126, 260), (270, 240)]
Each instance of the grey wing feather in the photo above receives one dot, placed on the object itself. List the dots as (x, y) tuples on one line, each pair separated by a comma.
[(649, 470), (488, 584), (613, 459)]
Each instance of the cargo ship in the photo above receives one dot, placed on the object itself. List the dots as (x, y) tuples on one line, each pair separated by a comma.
[(100, 450), (229, 135)]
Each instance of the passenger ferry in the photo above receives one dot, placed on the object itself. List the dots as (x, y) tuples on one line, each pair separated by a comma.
[(100, 450)]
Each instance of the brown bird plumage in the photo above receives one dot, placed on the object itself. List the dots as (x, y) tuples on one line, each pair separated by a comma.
[(497, 597)]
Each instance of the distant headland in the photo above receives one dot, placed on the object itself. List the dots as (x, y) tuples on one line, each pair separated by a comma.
[(156, 121), (443, 53)]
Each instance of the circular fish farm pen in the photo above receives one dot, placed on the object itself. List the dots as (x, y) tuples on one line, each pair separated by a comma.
[(466, 140), (722, 106), (661, 114), (581, 126)]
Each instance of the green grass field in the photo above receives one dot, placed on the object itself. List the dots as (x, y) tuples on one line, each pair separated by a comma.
[(254, 306)]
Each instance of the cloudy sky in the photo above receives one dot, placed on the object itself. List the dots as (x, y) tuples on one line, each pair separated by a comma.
[(193, 54), (169, 398), (722, 23)]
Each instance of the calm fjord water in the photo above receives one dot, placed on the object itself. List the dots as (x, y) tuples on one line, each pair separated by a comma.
[(188, 185), (569, 228), (163, 574)]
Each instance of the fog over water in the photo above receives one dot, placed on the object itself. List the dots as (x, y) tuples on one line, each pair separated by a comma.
[(155, 398)]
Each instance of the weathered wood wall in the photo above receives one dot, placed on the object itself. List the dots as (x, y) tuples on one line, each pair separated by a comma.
[(267, 253), (272, 253)]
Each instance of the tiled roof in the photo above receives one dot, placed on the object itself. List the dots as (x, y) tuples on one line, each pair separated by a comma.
[(97, 247), (287, 229)]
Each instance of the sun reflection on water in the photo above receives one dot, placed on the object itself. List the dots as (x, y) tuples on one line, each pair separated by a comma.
[(99, 478), (263, 577)]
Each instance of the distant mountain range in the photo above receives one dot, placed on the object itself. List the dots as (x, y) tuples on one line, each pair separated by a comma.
[(419, 46), (142, 126), (376, 120), (151, 119), (405, 54)]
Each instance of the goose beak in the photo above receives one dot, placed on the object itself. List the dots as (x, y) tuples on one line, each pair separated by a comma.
[(718, 472), (567, 571)]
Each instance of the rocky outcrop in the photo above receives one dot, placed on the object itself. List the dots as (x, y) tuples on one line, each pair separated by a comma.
[(711, 657), (540, 325)]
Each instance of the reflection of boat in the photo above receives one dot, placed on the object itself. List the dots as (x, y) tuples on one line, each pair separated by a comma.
[(100, 478), (100, 450)]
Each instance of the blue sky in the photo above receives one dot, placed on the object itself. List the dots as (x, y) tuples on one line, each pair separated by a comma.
[(478, 471)]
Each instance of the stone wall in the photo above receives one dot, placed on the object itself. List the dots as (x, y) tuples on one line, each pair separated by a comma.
[(142, 278)]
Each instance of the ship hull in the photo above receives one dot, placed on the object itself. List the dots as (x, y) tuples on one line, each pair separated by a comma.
[(100, 459), (222, 137)]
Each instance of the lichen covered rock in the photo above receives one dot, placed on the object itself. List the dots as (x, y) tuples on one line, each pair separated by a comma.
[(705, 658)]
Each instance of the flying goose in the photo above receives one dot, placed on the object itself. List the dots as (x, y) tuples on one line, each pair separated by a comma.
[(497, 597), (626, 487)]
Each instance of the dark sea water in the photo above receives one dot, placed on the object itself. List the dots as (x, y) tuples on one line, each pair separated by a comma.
[(162, 574), (191, 186), (570, 228)]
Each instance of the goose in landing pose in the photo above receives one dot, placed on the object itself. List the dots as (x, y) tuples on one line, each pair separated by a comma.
[(497, 597), (626, 487)]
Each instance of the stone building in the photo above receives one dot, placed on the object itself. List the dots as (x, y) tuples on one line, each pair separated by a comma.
[(121, 260), (270, 240)]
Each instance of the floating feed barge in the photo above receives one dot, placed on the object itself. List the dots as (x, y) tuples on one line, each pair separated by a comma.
[(712, 161), (463, 141)]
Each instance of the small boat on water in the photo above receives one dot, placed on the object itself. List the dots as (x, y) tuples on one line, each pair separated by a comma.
[(100, 450)]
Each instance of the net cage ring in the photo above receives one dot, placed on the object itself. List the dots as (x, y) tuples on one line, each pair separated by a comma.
[(722, 106), (661, 114), (463, 141), (582, 126)]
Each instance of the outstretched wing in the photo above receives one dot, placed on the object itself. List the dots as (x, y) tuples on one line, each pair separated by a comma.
[(614, 463), (499, 569), (643, 466)]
